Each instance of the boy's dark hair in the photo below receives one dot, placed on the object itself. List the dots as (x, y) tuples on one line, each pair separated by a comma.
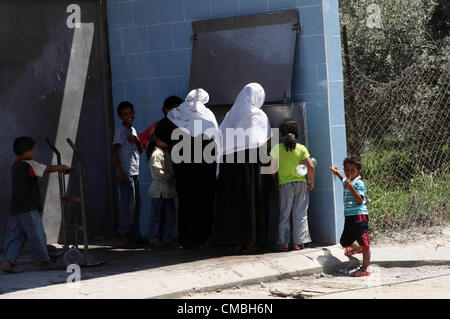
[(354, 160), (289, 132), (124, 105), (23, 144), (171, 102)]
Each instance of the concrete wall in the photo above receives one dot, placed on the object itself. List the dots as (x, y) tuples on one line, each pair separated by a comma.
[(150, 60), (55, 83)]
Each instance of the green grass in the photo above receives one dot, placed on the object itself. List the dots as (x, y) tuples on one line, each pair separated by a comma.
[(425, 202)]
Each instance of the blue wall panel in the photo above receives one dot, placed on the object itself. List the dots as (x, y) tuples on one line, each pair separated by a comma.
[(248, 7), (158, 65)]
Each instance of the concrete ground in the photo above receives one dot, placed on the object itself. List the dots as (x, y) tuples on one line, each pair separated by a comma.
[(423, 282), (168, 272)]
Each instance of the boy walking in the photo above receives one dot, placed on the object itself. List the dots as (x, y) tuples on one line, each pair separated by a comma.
[(25, 221), (126, 149), (355, 237)]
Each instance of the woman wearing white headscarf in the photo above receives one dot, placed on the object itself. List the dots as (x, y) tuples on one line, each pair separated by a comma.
[(195, 177), (241, 209)]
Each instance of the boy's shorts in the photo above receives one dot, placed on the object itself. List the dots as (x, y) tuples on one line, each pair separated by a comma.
[(356, 228)]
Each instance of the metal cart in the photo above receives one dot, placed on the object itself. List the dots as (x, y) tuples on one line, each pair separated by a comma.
[(73, 255)]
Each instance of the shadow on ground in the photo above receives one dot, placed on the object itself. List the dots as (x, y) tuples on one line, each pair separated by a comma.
[(116, 261)]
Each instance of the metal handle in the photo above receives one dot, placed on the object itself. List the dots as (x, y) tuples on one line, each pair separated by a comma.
[(62, 192), (72, 145), (53, 147)]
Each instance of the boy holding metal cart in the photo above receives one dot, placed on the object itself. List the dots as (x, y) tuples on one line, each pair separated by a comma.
[(25, 221)]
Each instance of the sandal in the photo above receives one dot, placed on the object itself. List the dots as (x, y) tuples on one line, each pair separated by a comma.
[(298, 247), (350, 251), (10, 270), (361, 272)]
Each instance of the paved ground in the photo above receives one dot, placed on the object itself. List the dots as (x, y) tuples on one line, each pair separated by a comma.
[(425, 282), (168, 272)]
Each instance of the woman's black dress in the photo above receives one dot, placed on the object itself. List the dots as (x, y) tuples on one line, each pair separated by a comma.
[(241, 207), (196, 185)]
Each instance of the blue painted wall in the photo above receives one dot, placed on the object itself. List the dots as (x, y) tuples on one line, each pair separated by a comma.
[(150, 60)]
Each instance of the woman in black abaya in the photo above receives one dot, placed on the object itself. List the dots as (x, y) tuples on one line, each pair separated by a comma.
[(192, 123), (241, 208)]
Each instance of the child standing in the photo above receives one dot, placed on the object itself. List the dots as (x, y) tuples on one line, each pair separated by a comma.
[(126, 150), (293, 188), (162, 191), (355, 237), (25, 221)]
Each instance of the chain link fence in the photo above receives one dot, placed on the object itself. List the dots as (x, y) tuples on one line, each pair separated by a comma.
[(401, 131)]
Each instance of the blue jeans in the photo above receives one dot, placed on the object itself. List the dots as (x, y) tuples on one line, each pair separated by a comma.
[(129, 207), (162, 219), (22, 227), (294, 201)]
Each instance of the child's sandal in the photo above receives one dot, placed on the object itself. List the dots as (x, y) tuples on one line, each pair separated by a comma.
[(361, 272), (350, 251)]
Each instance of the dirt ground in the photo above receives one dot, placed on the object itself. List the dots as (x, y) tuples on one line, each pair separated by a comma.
[(422, 282), (429, 237)]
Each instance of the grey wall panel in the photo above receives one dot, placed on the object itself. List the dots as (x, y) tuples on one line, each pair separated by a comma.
[(35, 49), (231, 52)]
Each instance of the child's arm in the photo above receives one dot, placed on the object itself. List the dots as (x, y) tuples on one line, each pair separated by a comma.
[(57, 168), (274, 155), (121, 174), (336, 172), (358, 198), (311, 171), (139, 145), (273, 166), (135, 139)]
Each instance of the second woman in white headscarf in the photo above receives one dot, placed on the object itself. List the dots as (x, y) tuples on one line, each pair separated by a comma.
[(241, 208), (246, 114)]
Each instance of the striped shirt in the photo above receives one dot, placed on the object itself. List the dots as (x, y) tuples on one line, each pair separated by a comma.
[(351, 206)]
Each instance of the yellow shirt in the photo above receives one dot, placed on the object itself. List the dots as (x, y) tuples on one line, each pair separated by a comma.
[(288, 161)]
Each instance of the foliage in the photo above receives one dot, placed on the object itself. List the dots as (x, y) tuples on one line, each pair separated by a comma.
[(397, 97), (383, 52), (425, 204)]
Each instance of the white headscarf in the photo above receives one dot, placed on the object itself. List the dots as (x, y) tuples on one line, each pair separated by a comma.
[(194, 109), (246, 113)]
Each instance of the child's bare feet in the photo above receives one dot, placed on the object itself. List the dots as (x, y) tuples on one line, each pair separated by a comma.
[(48, 265), (8, 268)]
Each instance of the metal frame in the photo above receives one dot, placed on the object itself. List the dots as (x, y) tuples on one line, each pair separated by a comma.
[(86, 259)]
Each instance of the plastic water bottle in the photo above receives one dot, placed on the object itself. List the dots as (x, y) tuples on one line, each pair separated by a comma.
[(302, 170)]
